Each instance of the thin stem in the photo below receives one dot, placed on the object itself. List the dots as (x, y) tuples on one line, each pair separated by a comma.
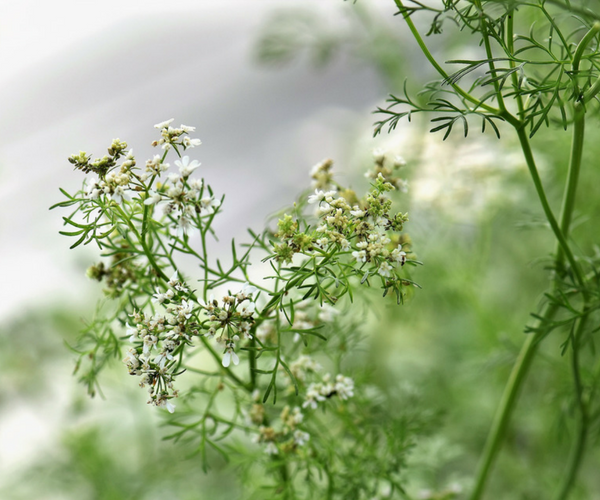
[(578, 449), (488, 50), (252, 359), (163, 276), (510, 43), (434, 63), (535, 176)]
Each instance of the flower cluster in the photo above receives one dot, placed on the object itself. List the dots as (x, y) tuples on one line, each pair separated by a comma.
[(119, 274), (308, 316), (288, 437), (321, 174), (182, 198), (306, 368), (175, 136), (111, 182), (364, 229), (387, 167), (158, 339), (232, 319), (342, 386)]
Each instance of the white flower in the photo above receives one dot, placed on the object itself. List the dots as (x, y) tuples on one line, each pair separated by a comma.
[(119, 194), (166, 403), (131, 360), (344, 386), (174, 178), (149, 343), (317, 197), (161, 297), (195, 188), (132, 331), (247, 309), (208, 205), (322, 243), (357, 212), (360, 256), (384, 269), (230, 355), (246, 291), (313, 396), (399, 161), (398, 255), (174, 279), (185, 309), (324, 208), (191, 143), (162, 358), (153, 197), (297, 416), (185, 167), (164, 124), (378, 154), (187, 128), (93, 189), (300, 438), (155, 165), (271, 449)]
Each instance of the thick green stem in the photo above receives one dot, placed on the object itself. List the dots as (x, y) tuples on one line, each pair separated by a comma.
[(572, 181), (523, 363), (507, 402)]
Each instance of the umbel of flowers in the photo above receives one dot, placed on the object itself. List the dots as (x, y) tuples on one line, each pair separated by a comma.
[(364, 234)]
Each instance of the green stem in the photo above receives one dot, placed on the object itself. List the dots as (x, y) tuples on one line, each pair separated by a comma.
[(518, 374), (572, 181), (510, 43), (535, 176), (521, 368), (488, 51), (435, 64), (252, 359), (578, 449), (581, 46)]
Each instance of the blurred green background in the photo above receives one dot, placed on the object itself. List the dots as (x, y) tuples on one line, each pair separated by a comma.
[(474, 221)]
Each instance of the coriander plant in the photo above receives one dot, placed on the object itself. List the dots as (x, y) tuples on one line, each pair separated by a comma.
[(254, 356), (248, 362), (537, 64)]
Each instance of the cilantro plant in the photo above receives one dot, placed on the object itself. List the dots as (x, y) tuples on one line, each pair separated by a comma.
[(537, 64), (261, 356), (265, 356)]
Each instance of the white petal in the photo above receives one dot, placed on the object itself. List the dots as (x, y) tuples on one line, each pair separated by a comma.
[(227, 359)]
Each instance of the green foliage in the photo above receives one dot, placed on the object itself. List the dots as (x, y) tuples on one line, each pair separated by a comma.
[(278, 324)]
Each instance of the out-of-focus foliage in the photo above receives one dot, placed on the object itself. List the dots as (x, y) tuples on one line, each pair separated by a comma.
[(354, 30), (450, 352)]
